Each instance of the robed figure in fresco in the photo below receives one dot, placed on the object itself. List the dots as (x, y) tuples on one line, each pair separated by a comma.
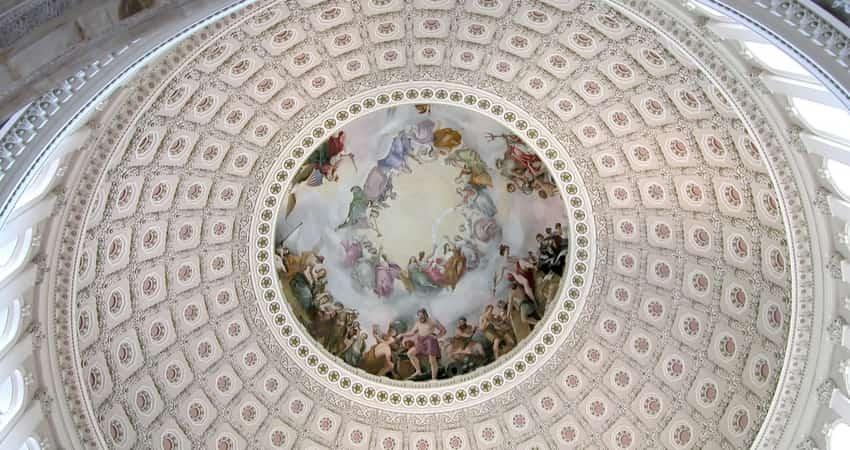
[(321, 165)]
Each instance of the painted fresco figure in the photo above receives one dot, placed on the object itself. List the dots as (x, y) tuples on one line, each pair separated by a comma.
[(477, 199), (523, 168), (358, 208), (353, 252), (378, 186), (422, 136), (462, 344), (455, 266), (417, 279), (425, 336), (400, 149), (513, 270), (523, 311), (470, 251), (361, 214), (385, 275), (496, 328), (363, 272), (552, 253), (372, 271), (322, 165), (354, 346), (307, 284), (473, 168), (344, 320), (446, 139), (379, 359)]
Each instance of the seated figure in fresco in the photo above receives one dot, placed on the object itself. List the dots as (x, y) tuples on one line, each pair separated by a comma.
[(495, 325), (454, 267), (425, 336), (372, 271), (324, 320), (353, 345), (462, 345), (416, 279), (304, 278), (344, 320), (523, 311), (307, 284), (523, 168)]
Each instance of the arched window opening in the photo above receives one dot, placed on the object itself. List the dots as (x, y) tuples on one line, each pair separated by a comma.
[(13, 255), (708, 11), (776, 60), (31, 444), (824, 119), (847, 376), (10, 321), (7, 250), (838, 436), (39, 186), (839, 175), (11, 398)]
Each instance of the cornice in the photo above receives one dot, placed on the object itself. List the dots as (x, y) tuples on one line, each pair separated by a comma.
[(804, 30)]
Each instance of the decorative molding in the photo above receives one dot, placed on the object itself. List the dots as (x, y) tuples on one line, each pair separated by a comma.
[(835, 329), (825, 391), (806, 31), (26, 16), (807, 444)]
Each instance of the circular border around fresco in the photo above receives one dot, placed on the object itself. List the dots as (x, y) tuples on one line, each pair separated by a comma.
[(481, 384)]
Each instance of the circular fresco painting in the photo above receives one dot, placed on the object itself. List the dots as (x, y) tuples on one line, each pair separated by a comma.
[(421, 242)]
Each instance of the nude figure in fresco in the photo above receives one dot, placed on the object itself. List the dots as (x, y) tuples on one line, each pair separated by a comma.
[(462, 344)]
